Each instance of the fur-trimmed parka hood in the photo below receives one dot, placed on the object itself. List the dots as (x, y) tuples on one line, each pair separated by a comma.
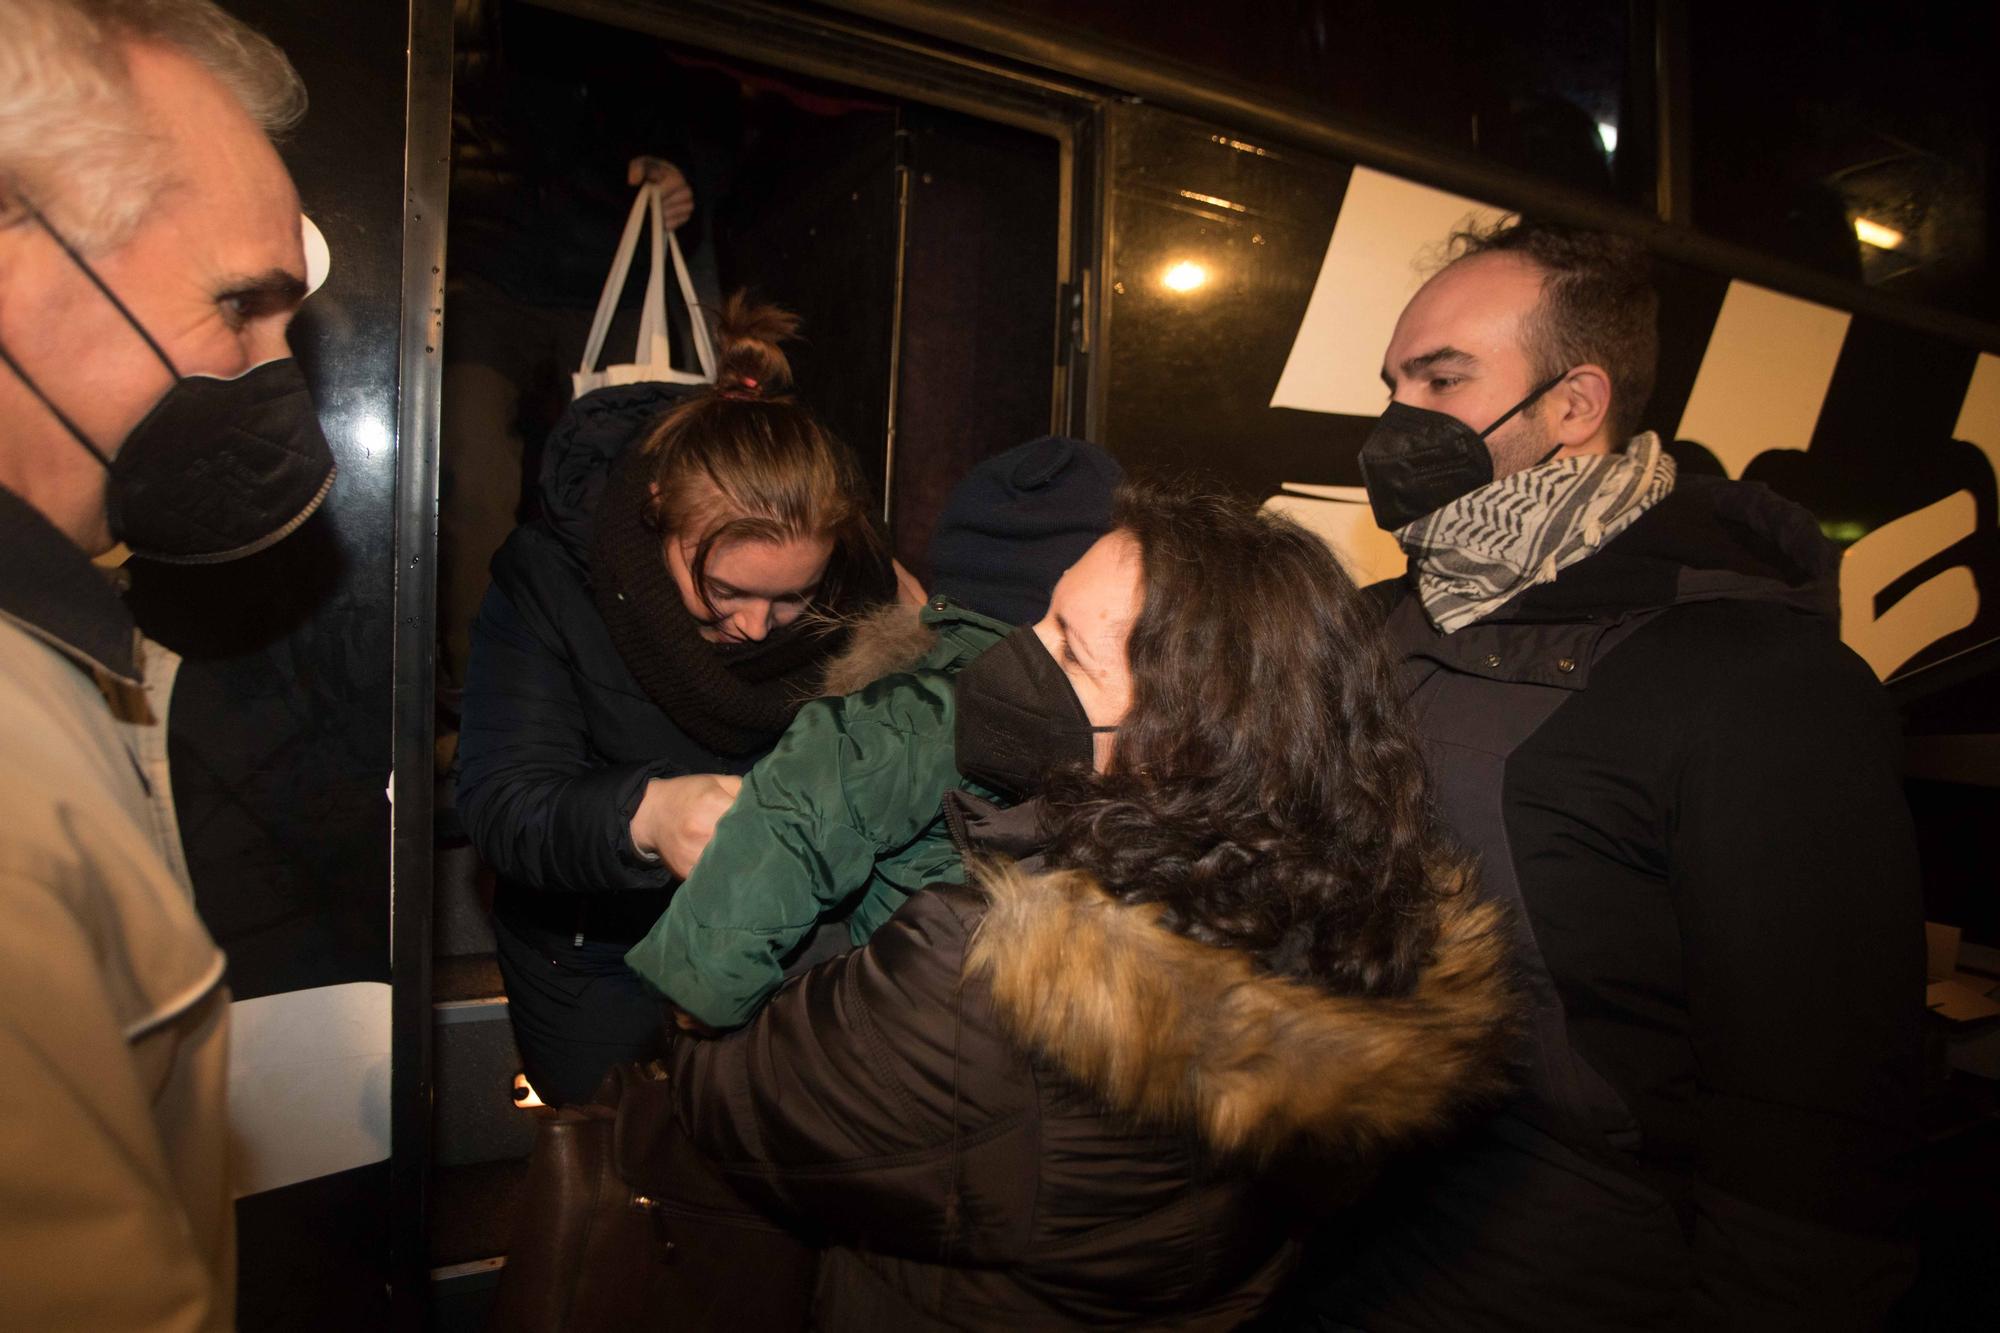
[(898, 636), (1174, 1032)]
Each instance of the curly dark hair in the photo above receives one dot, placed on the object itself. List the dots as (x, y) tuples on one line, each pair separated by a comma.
[(1599, 306), (1266, 790)]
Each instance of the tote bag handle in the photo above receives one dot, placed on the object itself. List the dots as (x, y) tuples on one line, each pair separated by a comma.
[(652, 358)]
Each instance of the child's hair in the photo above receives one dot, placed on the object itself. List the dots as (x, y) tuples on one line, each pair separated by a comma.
[(745, 461)]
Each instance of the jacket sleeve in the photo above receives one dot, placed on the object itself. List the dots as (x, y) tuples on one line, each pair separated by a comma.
[(1794, 873), (93, 1233), (537, 807), (869, 1092), (851, 779)]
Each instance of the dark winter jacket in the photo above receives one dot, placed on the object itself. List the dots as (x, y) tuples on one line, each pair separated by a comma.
[(1028, 1105), (1692, 786), (559, 740)]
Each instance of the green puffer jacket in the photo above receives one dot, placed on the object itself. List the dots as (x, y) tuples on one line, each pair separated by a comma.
[(845, 814)]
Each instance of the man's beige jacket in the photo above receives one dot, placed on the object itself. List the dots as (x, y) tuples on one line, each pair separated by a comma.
[(115, 1203)]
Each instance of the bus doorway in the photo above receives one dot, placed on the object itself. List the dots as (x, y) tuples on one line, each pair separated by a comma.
[(929, 254), (848, 207)]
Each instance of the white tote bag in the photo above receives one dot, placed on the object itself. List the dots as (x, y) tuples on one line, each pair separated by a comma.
[(652, 359)]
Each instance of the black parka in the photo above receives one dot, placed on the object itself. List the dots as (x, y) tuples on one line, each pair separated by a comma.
[(1028, 1105), (558, 738)]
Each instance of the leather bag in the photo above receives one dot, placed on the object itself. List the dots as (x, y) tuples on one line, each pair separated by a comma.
[(624, 1226)]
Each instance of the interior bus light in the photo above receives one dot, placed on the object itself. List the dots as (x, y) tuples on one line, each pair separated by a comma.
[(1184, 276), (1874, 233)]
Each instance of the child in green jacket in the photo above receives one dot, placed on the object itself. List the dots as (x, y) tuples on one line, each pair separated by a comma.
[(845, 815)]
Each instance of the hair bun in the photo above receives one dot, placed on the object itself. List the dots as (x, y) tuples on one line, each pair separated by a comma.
[(749, 363)]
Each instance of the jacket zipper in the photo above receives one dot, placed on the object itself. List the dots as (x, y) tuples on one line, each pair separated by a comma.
[(954, 822)]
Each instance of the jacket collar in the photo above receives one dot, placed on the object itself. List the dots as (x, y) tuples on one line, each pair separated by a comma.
[(1553, 653), (983, 828), (50, 588), (896, 637), (1178, 1034), (1709, 540)]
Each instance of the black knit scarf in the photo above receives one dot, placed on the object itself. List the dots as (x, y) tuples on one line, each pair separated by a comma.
[(730, 700)]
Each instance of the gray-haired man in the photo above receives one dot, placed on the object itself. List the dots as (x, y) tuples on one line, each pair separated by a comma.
[(150, 260)]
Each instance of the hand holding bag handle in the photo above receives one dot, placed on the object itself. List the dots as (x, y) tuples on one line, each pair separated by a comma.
[(652, 359)]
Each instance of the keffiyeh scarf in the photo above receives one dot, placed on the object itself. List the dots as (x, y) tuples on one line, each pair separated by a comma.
[(1484, 549)]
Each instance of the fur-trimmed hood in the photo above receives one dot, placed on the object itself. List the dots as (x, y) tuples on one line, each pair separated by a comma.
[(1174, 1032), (900, 637), (881, 641)]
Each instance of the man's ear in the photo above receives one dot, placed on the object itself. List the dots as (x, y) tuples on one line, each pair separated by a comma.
[(1583, 407)]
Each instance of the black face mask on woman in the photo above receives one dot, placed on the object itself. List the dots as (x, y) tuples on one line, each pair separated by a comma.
[(1417, 461), (1018, 719), (219, 468)]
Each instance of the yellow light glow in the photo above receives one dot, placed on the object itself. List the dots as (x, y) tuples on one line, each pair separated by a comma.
[(1184, 276), (524, 1092), (1215, 200), (1239, 145), (1877, 235)]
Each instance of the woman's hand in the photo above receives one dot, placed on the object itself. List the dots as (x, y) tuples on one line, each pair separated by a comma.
[(676, 198), (676, 817)]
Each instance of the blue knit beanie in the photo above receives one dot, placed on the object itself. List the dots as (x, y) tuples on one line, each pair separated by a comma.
[(1017, 521)]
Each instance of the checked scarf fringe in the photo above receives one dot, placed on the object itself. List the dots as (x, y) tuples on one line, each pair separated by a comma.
[(1484, 549)]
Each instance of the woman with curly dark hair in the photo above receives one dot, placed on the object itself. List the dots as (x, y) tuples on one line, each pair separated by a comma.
[(1263, 790), (1216, 951)]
